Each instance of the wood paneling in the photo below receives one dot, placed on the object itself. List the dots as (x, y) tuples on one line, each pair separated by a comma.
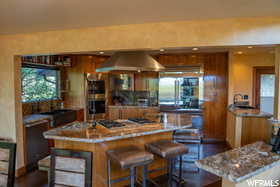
[(215, 95), (245, 130), (255, 129)]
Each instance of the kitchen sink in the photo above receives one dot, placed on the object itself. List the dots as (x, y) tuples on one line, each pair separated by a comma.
[(61, 117), (54, 112), (245, 107)]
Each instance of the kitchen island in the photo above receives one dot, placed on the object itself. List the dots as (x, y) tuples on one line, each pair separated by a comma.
[(81, 136), (246, 165)]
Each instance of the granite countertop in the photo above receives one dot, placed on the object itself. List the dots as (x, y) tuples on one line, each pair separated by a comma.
[(132, 106), (242, 163), (83, 132), (250, 113), (34, 118)]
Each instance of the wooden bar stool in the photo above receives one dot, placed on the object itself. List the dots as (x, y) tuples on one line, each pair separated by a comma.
[(129, 157), (7, 163), (169, 150), (70, 168)]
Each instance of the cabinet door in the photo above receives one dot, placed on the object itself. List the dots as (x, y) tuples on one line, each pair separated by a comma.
[(129, 113), (114, 113)]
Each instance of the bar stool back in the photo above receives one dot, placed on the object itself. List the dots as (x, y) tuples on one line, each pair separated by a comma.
[(70, 168), (7, 163)]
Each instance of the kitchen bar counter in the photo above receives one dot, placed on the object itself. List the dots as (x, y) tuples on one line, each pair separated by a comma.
[(29, 120), (81, 136), (240, 164), (83, 132)]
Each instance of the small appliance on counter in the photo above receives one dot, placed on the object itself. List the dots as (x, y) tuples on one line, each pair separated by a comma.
[(276, 143)]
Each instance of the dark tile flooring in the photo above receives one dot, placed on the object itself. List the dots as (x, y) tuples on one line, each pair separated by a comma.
[(191, 174)]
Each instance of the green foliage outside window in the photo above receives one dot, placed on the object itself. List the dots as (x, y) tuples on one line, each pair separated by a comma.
[(39, 84)]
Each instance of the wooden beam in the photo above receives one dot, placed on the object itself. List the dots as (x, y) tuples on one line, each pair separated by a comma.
[(277, 84)]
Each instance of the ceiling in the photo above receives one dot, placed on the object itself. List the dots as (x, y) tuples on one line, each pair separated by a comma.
[(238, 50), (21, 16)]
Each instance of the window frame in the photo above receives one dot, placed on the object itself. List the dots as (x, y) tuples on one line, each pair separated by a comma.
[(58, 87)]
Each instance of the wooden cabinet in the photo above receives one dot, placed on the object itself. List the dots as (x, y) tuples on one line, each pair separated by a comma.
[(129, 112), (80, 115)]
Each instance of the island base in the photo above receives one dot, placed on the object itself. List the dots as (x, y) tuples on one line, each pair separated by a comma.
[(99, 177)]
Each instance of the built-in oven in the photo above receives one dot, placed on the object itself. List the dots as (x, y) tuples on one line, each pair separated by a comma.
[(95, 91)]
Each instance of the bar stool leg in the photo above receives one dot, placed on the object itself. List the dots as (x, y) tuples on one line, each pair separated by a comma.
[(132, 177), (180, 168), (109, 172), (144, 175), (170, 172)]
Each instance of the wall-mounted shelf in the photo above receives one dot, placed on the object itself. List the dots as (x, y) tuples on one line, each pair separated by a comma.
[(50, 61)]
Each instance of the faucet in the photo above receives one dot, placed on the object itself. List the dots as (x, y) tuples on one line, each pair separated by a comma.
[(235, 98)]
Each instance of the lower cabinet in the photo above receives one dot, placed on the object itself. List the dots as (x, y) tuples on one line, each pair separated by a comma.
[(129, 112)]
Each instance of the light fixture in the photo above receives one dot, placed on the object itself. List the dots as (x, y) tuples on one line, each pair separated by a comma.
[(250, 47), (161, 50), (101, 52), (195, 49), (240, 52)]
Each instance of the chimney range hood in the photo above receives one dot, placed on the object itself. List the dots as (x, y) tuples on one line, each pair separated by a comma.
[(131, 61)]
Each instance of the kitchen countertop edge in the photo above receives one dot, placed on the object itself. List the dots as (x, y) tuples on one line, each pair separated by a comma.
[(105, 139)]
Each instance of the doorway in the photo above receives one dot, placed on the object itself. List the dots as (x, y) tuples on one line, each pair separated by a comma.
[(263, 89)]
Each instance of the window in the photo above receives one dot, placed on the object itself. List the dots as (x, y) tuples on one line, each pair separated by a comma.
[(39, 83)]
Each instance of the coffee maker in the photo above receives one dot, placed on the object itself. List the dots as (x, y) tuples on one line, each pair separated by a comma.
[(276, 143)]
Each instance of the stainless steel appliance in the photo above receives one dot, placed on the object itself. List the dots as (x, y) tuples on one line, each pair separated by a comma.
[(140, 120), (110, 124), (95, 95), (131, 61)]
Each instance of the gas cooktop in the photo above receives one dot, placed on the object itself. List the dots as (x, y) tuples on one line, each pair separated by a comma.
[(140, 120), (110, 124)]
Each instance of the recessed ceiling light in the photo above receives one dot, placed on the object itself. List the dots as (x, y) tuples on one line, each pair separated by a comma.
[(250, 47), (240, 52), (162, 50), (195, 49), (101, 52)]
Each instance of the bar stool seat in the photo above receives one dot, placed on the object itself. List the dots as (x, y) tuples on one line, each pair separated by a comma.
[(169, 150), (166, 148), (129, 157)]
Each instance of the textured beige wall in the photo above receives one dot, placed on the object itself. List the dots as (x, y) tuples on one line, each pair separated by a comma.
[(224, 32), (241, 72)]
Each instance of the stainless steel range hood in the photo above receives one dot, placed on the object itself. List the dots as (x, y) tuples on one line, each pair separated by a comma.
[(131, 61)]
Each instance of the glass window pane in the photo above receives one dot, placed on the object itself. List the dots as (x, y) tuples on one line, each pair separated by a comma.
[(167, 90), (267, 93), (39, 84)]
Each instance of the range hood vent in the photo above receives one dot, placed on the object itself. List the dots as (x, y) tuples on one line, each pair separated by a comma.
[(131, 61)]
